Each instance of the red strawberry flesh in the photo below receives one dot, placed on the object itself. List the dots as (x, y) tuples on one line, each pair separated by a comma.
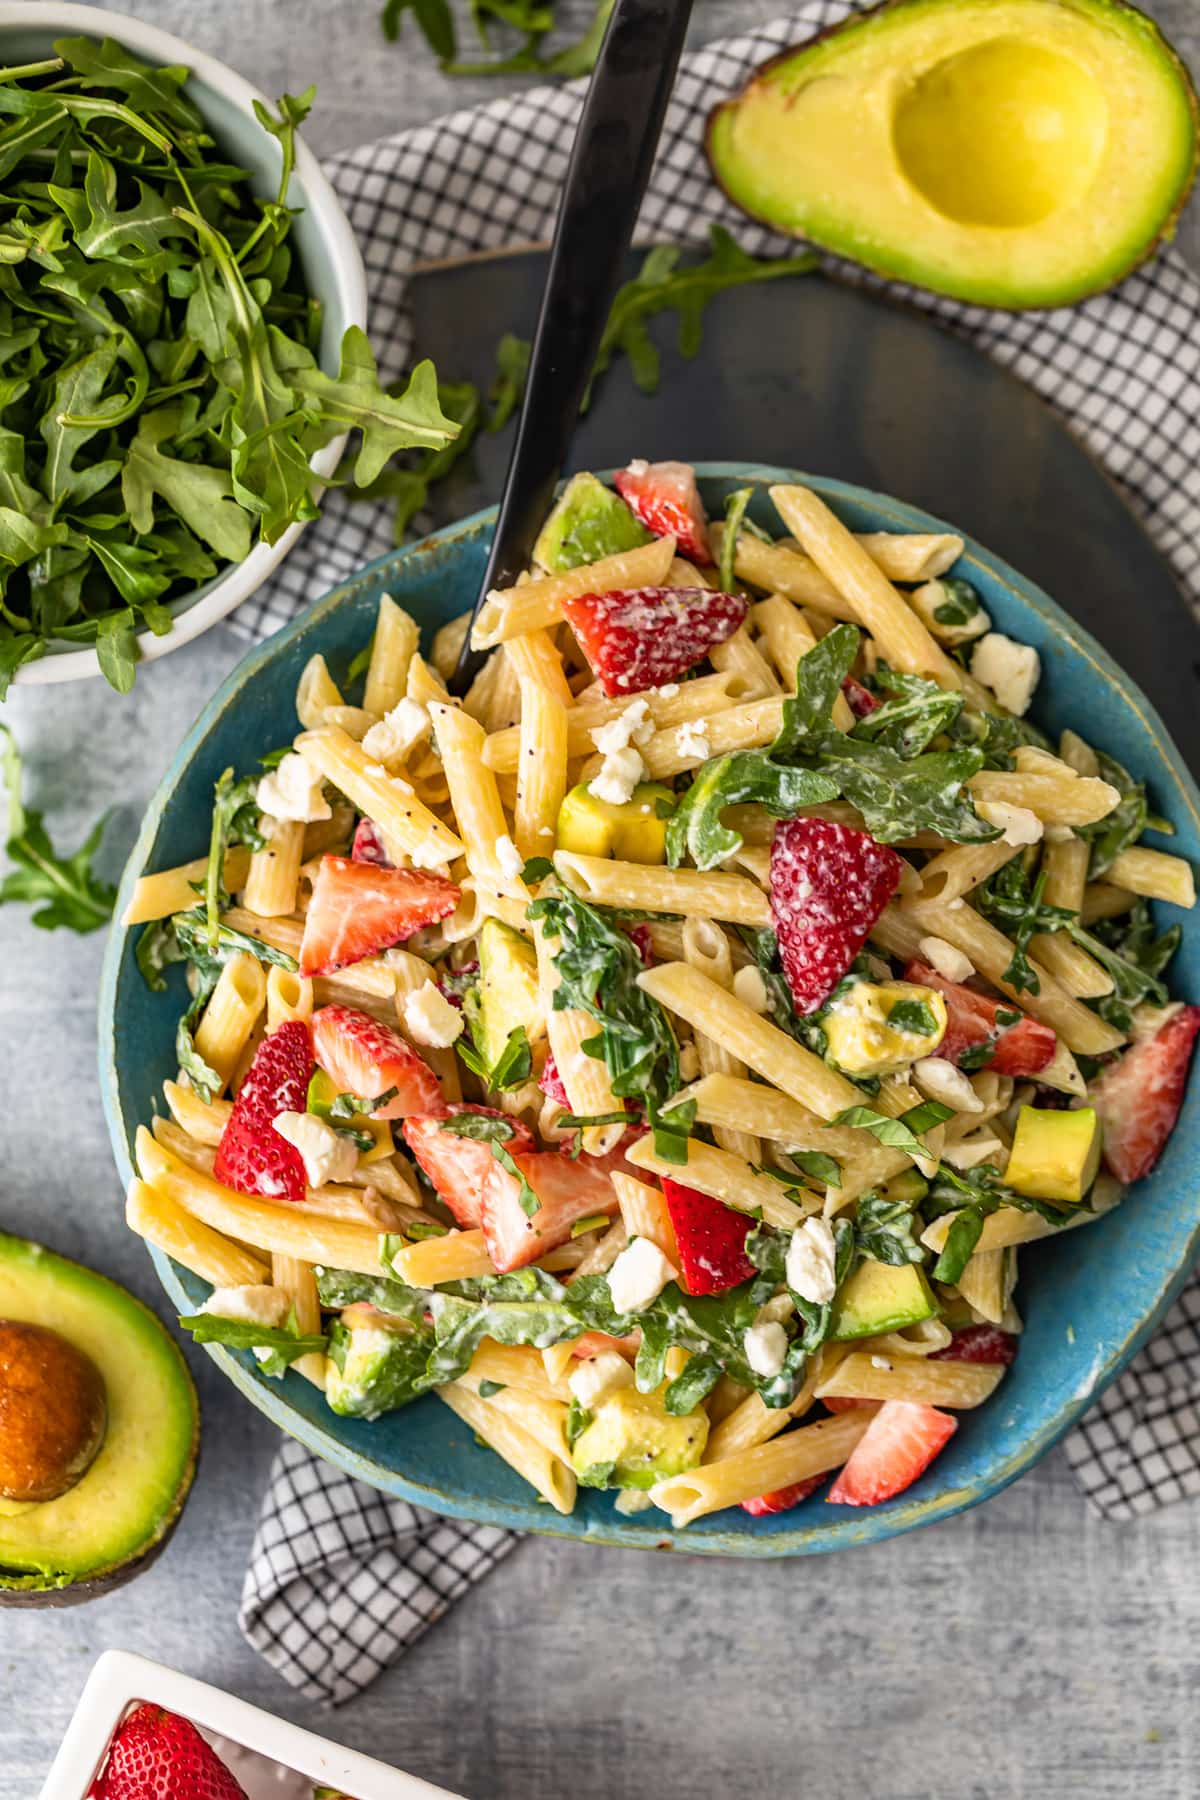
[(368, 845), (458, 1166), (783, 1499), (972, 1020), (566, 1191), (1139, 1097), (637, 638), (251, 1156), (898, 1445), (360, 908), (978, 1344), (156, 1755), (711, 1238), (666, 499), (365, 1058), (829, 884)]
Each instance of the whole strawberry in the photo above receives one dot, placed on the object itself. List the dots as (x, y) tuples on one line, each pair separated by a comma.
[(156, 1755)]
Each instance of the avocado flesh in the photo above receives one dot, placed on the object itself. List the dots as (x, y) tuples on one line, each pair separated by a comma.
[(589, 521), (126, 1502), (1011, 152), (1055, 1155), (508, 989), (640, 1439), (635, 831), (879, 1297)]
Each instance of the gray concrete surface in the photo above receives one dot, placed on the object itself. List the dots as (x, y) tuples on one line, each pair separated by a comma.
[(1026, 1649)]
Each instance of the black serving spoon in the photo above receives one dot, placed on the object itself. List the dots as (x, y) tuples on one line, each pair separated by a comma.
[(610, 166)]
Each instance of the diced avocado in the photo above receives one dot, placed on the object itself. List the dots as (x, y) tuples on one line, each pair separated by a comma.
[(909, 1187), (588, 522), (634, 832), (879, 1297), (508, 989), (375, 1362), (877, 1027), (1010, 152), (632, 1441), (112, 1495), (1055, 1155)]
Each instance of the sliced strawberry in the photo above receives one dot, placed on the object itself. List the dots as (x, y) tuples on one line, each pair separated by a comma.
[(458, 1166), (358, 908), (972, 1021), (251, 1156), (711, 1239), (594, 1343), (551, 1082), (156, 1755), (978, 1344), (368, 845), (639, 937), (843, 1403), (638, 638), (363, 1057), (666, 499), (860, 699), (566, 1191), (1139, 1097), (829, 884), (783, 1499), (898, 1445)]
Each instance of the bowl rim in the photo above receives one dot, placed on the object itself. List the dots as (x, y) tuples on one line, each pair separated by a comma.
[(839, 1532), (349, 277)]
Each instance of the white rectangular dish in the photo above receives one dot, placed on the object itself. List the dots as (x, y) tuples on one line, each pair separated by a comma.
[(259, 1748)]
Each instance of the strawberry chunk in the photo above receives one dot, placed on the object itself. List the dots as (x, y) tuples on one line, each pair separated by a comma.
[(359, 908), (368, 845), (156, 1753), (363, 1057), (595, 1343), (829, 884), (843, 1403), (783, 1499), (551, 1082), (860, 699), (898, 1445), (711, 1238), (458, 1166), (251, 1156), (978, 1344), (1139, 1097), (566, 1191), (638, 638), (972, 1021), (666, 499)]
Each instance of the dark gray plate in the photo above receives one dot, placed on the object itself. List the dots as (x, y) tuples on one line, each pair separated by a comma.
[(815, 375)]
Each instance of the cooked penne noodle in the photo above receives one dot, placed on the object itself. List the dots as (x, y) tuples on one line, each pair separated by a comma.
[(725, 1176), (785, 1461), (168, 1226), (739, 655), (392, 649), (644, 1214), (706, 947), (316, 692), (289, 996), (474, 795), (859, 1377), (1154, 874), (232, 1012), (299, 1284), (537, 605), (1064, 865), (1103, 900), (1055, 799), (788, 638), (535, 657), (605, 1247), (753, 1422), (548, 1473), (747, 726), (177, 890), (694, 700), (952, 874), (519, 1366), (202, 1120), (274, 872), (459, 1256), (986, 1282), (586, 1079), (650, 888), (387, 799), (542, 771)]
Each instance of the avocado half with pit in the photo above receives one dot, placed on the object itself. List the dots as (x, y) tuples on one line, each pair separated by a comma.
[(1011, 152), (99, 1427)]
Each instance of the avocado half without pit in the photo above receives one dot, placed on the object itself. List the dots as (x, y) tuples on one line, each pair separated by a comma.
[(1014, 153), (98, 1430)]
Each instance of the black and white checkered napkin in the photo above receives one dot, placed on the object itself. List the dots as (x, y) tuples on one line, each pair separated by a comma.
[(341, 1579)]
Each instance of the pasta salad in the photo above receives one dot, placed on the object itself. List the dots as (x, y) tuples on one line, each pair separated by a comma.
[(663, 1055)]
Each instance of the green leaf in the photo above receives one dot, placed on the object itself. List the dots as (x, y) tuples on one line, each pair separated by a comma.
[(893, 1132), (819, 1166), (508, 382), (885, 1230), (1123, 826), (353, 399), (961, 1240), (77, 391), (65, 890), (291, 111), (526, 1197), (735, 511), (1009, 900), (671, 1129), (479, 1127), (200, 495), (819, 677), (915, 1016), (242, 1334), (918, 712), (157, 947), (234, 820), (747, 776)]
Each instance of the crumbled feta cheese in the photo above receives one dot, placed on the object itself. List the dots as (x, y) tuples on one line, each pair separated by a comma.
[(691, 741), (545, 831), (619, 775), (668, 691), (430, 1019), (431, 853), (811, 1262), (252, 1305), (638, 466), (950, 612), (946, 958), (632, 1500), (326, 1154), (293, 791), (398, 733), (374, 768), (509, 858), (638, 1276), (940, 1080), (750, 988), (633, 726), (765, 1347), (1017, 823), (1010, 669), (880, 1362), (599, 1376)]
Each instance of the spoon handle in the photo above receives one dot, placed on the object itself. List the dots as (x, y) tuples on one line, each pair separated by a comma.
[(610, 166)]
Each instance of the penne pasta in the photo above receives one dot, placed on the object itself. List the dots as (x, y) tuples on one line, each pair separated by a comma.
[(177, 890), (870, 1377), (537, 605), (168, 1226), (392, 649), (794, 1457), (600, 880)]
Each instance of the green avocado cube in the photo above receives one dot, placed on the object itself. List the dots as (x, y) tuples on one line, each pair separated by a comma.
[(633, 1441), (879, 1297), (1055, 1155), (588, 522), (508, 989)]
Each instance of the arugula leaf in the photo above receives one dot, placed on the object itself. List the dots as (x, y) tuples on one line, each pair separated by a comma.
[(972, 1194), (1123, 826), (671, 1129), (513, 1066), (918, 712), (234, 820), (479, 1127), (767, 1248), (885, 1230), (66, 891), (527, 1199), (191, 933), (576, 1422), (735, 512), (598, 967), (695, 827), (243, 1334), (507, 388), (693, 1386), (202, 1076), (898, 1134), (344, 1287), (157, 947), (915, 1016), (1134, 957), (407, 484)]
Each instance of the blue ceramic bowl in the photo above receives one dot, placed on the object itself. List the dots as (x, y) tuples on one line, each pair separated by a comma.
[(1089, 1299)]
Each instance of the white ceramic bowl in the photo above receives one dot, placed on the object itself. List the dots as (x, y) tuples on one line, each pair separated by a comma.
[(256, 1745), (333, 269)]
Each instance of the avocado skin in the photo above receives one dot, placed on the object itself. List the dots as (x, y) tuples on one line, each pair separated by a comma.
[(1084, 290), (21, 1589)]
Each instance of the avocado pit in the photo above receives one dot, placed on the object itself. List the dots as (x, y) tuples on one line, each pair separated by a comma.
[(53, 1412)]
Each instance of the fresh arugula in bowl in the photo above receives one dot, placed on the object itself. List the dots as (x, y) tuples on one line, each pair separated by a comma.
[(160, 394)]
